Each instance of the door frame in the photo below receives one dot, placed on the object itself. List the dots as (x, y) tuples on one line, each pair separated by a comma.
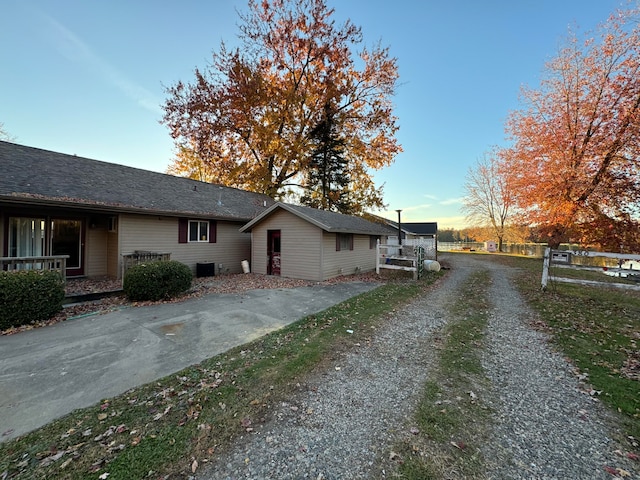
[(71, 271), (274, 252)]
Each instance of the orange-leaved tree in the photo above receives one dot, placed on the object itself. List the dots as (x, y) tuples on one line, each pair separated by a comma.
[(249, 114), (575, 158), (188, 164)]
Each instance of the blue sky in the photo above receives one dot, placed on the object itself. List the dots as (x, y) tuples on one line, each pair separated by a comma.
[(87, 77)]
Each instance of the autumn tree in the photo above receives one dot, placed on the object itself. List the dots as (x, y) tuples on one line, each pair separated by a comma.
[(249, 114), (488, 200), (327, 184), (574, 163), (189, 164)]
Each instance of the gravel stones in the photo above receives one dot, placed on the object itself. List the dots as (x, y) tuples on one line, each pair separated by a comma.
[(547, 425), (343, 422)]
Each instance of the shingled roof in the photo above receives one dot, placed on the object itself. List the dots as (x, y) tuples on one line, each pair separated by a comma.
[(327, 221), (34, 176), (416, 228)]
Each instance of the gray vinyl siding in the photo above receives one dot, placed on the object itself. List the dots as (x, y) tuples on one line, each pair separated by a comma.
[(113, 257), (96, 252), (346, 262), (300, 246), (259, 258), (160, 234), (231, 248)]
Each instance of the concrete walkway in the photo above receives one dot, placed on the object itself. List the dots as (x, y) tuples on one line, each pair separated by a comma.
[(48, 372)]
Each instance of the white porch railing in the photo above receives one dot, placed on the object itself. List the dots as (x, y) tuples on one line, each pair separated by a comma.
[(399, 257)]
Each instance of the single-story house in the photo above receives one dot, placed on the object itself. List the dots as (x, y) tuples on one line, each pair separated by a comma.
[(100, 214), (417, 233), (311, 244)]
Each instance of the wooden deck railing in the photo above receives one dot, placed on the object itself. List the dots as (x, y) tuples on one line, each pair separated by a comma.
[(56, 263), (139, 256)]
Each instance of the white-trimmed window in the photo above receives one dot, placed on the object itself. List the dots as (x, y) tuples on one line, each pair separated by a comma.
[(198, 231)]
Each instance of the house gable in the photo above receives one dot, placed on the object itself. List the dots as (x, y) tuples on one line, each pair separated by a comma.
[(315, 244), (300, 241)]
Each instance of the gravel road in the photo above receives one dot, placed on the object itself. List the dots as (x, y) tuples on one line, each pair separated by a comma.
[(342, 423)]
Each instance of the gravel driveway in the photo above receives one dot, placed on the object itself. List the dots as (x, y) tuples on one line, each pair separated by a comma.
[(342, 423)]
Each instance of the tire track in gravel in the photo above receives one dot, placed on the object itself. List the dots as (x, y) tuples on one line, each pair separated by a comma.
[(343, 421), (546, 427)]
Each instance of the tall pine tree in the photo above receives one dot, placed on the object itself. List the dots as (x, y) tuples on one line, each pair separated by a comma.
[(327, 183)]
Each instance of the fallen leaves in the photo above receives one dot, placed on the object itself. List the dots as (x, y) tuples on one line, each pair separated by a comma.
[(617, 472), (229, 283), (393, 456), (246, 424), (159, 415), (52, 458)]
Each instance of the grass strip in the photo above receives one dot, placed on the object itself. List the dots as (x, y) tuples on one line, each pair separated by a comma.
[(451, 419), (173, 426)]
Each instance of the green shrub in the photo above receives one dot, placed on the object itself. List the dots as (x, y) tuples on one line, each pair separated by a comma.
[(29, 296), (157, 280)]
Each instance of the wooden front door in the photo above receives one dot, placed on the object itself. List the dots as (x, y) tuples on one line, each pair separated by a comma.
[(273, 252)]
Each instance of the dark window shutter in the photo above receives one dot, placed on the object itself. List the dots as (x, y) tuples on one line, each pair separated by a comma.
[(213, 230), (183, 228), (337, 242), (351, 241)]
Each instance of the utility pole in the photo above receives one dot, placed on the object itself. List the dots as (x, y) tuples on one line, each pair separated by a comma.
[(399, 229)]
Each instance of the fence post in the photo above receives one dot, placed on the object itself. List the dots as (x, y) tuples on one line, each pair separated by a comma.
[(545, 267)]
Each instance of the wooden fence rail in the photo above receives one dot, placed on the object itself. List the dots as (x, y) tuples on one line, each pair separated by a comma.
[(56, 263), (139, 256), (606, 262)]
